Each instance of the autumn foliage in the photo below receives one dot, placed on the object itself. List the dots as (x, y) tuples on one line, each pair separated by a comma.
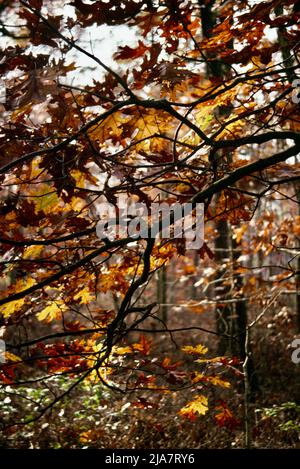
[(198, 104)]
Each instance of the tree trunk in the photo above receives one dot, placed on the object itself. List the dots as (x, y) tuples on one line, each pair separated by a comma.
[(231, 319), (291, 76)]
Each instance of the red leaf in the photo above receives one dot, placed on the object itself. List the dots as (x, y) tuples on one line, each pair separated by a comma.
[(131, 53), (225, 418)]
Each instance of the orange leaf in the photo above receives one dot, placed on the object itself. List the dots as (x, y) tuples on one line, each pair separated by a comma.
[(143, 346)]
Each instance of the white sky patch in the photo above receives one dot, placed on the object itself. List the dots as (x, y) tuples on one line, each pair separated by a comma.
[(102, 42)]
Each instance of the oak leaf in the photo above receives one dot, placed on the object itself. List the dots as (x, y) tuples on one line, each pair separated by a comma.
[(197, 406), (195, 350)]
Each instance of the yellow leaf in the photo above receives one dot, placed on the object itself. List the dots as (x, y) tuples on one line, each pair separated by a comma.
[(35, 169), (45, 199), (82, 178), (85, 296), (238, 233), (204, 116), (147, 124), (210, 360), (51, 312), (111, 127), (122, 350), (77, 204), (252, 281), (79, 178), (12, 357), (233, 130), (215, 380), (11, 307), (197, 350), (101, 374), (198, 405), (31, 252)]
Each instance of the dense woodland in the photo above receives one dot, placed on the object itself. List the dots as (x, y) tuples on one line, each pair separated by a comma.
[(131, 340)]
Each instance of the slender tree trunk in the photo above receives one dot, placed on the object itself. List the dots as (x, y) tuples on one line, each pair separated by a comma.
[(297, 190), (291, 76), (231, 319), (222, 291), (214, 69), (226, 323), (244, 342)]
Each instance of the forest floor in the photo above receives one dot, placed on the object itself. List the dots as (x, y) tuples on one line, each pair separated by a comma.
[(93, 417)]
